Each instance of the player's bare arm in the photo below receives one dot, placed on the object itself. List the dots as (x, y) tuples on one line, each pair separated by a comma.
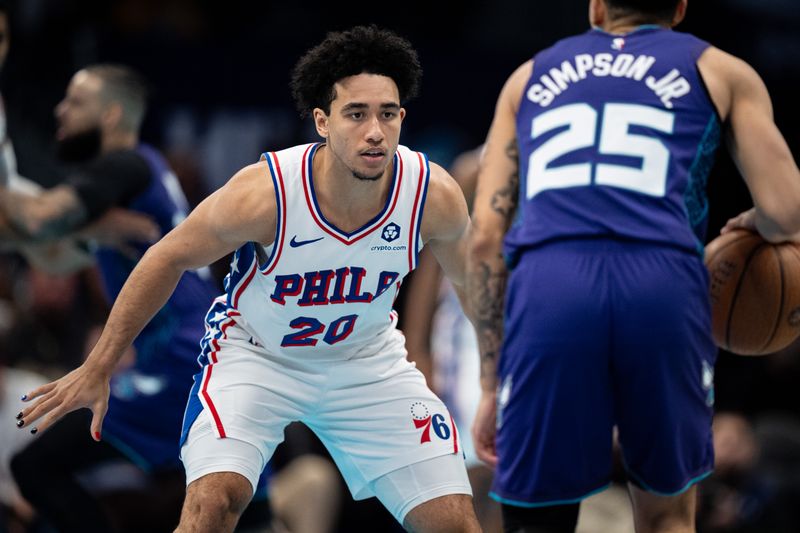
[(50, 214), (118, 228), (445, 224), (495, 204), (241, 211), (423, 291), (45, 228), (757, 146)]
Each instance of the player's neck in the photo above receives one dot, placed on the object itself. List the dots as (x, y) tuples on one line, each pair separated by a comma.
[(626, 24), (347, 201), (118, 140)]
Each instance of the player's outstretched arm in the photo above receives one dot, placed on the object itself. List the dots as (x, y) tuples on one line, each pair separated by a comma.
[(241, 211), (757, 147), (495, 205)]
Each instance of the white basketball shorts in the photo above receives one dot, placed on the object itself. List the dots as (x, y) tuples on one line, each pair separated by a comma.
[(374, 413)]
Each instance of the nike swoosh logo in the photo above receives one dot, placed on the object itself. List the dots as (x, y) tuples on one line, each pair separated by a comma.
[(294, 243)]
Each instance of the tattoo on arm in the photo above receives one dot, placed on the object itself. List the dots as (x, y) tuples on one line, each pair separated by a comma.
[(504, 201), (487, 285)]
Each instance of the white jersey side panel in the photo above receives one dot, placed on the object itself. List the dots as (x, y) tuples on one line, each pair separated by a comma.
[(319, 293)]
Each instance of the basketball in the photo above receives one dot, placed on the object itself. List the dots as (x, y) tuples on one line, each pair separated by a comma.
[(754, 292)]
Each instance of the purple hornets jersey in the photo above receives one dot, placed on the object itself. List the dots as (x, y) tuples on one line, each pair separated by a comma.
[(616, 137)]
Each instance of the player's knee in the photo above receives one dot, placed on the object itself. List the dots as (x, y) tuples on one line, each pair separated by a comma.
[(656, 514), (453, 513), (224, 494), (224, 502)]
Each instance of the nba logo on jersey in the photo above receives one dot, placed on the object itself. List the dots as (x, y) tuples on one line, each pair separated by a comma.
[(618, 43), (390, 232)]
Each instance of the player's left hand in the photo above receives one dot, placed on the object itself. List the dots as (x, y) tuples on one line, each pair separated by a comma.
[(484, 428), (83, 387)]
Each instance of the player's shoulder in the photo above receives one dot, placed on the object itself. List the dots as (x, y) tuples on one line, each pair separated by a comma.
[(725, 64), (728, 78), (247, 200), (443, 192), (253, 177)]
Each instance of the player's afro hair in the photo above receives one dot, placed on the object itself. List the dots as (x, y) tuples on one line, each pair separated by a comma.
[(362, 49)]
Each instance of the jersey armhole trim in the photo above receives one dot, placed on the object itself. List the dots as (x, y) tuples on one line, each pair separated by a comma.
[(280, 218), (415, 239)]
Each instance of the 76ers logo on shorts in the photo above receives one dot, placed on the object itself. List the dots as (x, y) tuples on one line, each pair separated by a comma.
[(423, 419)]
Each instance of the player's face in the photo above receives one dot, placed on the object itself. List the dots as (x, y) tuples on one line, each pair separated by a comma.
[(81, 110), (363, 128)]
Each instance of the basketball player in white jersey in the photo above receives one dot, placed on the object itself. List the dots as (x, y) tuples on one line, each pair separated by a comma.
[(323, 234)]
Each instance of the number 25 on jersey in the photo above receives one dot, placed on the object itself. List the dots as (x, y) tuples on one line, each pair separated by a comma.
[(582, 122)]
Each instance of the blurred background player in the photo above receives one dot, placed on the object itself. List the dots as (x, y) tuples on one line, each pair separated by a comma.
[(595, 165), (14, 510), (98, 133)]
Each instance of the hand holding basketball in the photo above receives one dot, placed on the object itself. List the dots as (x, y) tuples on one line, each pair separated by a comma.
[(755, 292)]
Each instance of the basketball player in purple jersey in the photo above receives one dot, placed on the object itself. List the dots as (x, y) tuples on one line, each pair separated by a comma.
[(323, 235), (588, 228)]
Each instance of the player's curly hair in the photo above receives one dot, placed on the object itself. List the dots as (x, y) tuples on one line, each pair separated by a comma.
[(362, 49), (655, 9)]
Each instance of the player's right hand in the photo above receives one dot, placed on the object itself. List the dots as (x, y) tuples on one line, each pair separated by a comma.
[(83, 387), (745, 220), (484, 429)]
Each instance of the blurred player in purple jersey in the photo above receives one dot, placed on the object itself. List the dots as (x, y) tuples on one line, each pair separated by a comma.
[(323, 233), (98, 137), (585, 268)]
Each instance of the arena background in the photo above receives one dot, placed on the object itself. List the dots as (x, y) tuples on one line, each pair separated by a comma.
[(219, 73)]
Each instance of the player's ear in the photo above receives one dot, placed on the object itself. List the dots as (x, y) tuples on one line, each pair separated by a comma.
[(321, 122), (680, 12), (112, 115), (597, 13)]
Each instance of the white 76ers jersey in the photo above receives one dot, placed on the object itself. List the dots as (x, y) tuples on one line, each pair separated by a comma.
[(317, 292)]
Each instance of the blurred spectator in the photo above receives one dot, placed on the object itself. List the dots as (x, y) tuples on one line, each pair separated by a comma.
[(756, 484), (99, 122)]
